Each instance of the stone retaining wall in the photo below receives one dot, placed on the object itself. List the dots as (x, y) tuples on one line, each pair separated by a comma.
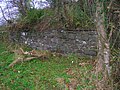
[(81, 42)]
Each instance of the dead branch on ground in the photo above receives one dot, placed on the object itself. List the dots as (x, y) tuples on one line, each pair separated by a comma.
[(22, 56)]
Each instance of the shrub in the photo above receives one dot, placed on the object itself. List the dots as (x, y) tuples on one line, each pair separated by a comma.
[(34, 15)]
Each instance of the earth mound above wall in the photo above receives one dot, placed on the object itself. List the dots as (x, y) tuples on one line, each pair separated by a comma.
[(80, 42)]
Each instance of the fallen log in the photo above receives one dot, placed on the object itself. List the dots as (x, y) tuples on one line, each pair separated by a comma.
[(22, 56)]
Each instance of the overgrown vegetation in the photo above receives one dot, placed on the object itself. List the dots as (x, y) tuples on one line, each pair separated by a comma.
[(33, 16), (66, 16), (56, 73)]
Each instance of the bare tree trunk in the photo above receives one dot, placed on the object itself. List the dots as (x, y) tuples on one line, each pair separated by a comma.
[(102, 67)]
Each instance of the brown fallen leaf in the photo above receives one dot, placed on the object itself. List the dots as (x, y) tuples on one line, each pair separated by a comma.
[(83, 64), (60, 81), (73, 84), (69, 71)]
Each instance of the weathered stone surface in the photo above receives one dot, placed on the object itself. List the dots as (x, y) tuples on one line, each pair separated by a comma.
[(63, 41)]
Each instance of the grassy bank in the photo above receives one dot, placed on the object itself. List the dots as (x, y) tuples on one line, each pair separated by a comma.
[(54, 73)]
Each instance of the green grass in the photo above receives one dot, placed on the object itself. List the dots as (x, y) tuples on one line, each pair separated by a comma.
[(41, 74)]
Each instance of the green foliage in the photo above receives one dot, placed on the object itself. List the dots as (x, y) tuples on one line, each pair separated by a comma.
[(81, 19), (78, 16), (72, 15), (34, 15)]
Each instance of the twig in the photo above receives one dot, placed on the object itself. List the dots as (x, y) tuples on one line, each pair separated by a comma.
[(15, 61)]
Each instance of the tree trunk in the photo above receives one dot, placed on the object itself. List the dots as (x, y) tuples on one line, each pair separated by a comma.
[(102, 67)]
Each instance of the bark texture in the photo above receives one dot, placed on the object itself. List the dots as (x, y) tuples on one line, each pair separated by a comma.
[(102, 67)]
